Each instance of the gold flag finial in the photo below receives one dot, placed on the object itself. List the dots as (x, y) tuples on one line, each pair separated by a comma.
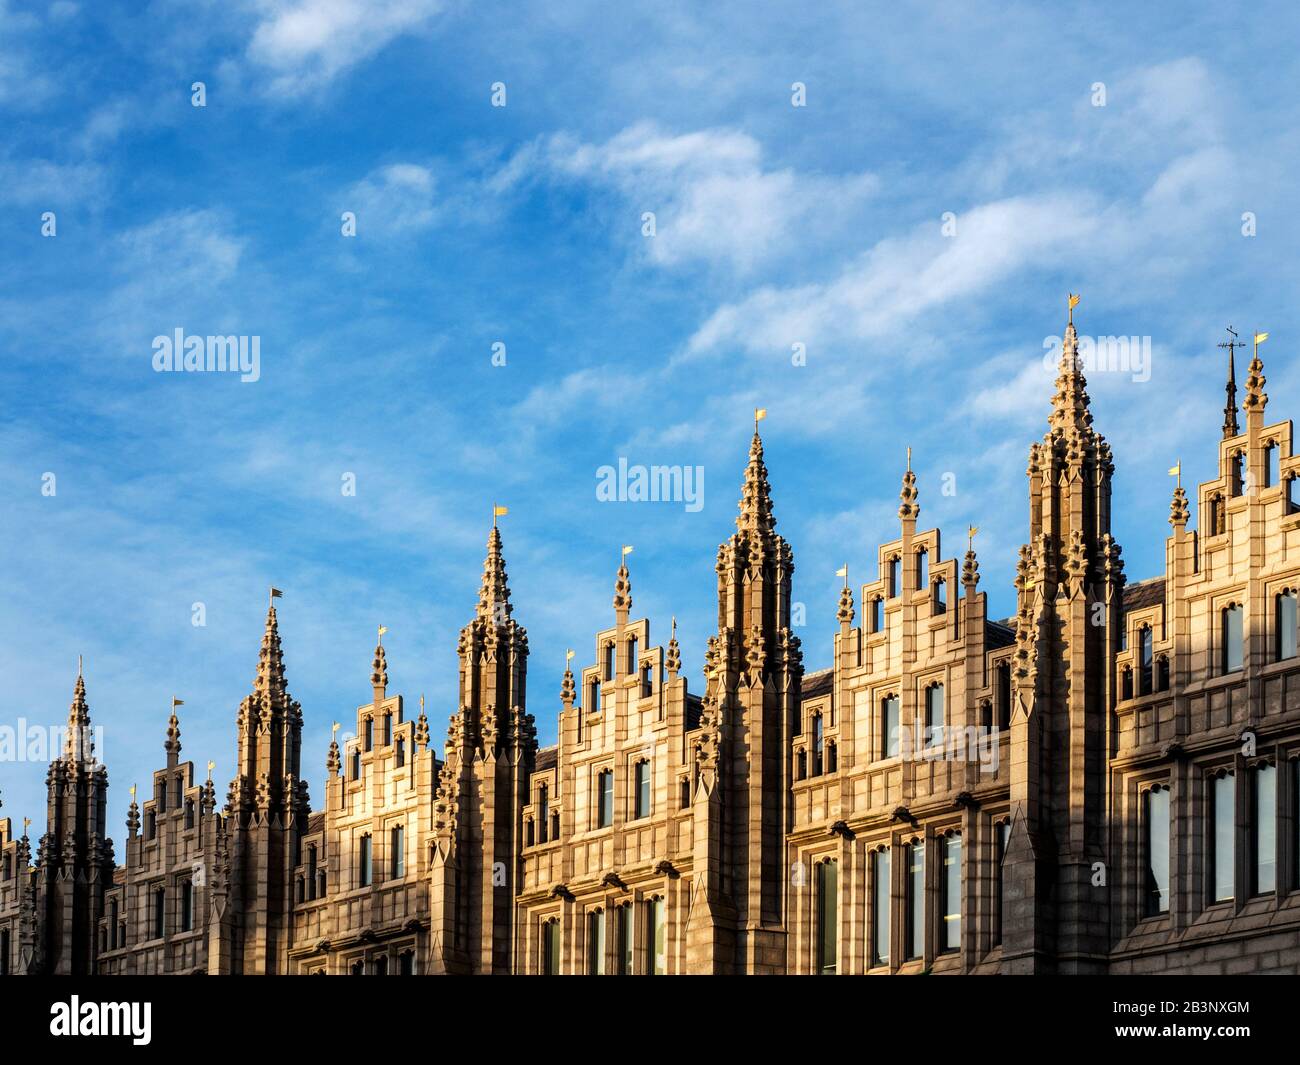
[(909, 460), (759, 414), (1074, 302), (275, 594), (1176, 470), (133, 791), (843, 571), (498, 512), (568, 657), (970, 537), (334, 728), (382, 629), (211, 766), (1259, 339), (627, 550), (177, 702), (421, 702), (78, 665), (27, 823)]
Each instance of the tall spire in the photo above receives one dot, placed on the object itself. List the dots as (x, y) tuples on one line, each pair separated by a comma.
[(494, 593), (77, 746), (756, 517), (1230, 426), (1070, 403), (270, 661)]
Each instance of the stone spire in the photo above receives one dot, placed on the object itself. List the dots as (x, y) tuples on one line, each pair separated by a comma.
[(1230, 427), (494, 593), (673, 657), (1070, 403), (756, 517), (379, 672), (77, 746), (270, 660)]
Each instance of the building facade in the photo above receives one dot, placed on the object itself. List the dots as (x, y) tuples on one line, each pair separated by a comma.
[(1106, 782)]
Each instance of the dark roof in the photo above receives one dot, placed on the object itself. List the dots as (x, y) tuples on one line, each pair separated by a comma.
[(818, 683), (1144, 593), (546, 757), (316, 822)]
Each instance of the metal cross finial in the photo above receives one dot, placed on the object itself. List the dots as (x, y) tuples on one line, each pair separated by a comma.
[(1233, 344)]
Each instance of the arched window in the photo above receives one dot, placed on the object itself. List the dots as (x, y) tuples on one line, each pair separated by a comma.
[(1003, 695), (1162, 673), (986, 714), (818, 745), (555, 825), (641, 789), (934, 715), (950, 931), (611, 663), (656, 937), (1145, 660), (151, 825), (877, 614), (1126, 683), (604, 798), (1223, 812), (631, 654), (894, 570), (624, 918), (596, 943), (593, 696), (939, 595), (1218, 516), (356, 764), (647, 681), (1237, 473), (363, 862), (369, 730), (187, 905), (551, 947), (801, 765), (1155, 842), (832, 757), (528, 832), (381, 965), (162, 797), (397, 843), (388, 730), (189, 813), (1286, 624), (1263, 829), (159, 912), (113, 942), (406, 963), (922, 568), (881, 906), (399, 754), (1272, 458), (311, 871), (543, 811), (1290, 494), (914, 898), (1231, 638), (890, 727), (828, 917), (180, 792), (1001, 841)]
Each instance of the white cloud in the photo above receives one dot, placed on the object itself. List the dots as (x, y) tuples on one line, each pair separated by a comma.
[(393, 200), (307, 43), (714, 200)]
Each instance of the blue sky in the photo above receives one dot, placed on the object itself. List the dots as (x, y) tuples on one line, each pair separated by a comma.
[(776, 225)]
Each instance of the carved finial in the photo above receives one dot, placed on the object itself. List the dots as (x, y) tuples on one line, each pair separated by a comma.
[(1255, 380), (1178, 509), (909, 508), (494, 593), (756, 516), (379, 669), (623, 585), (422, 726), (568, 689), (173, 745), (1070, 402), (673, 656), (333, 760), (78, 746), (845, 614)]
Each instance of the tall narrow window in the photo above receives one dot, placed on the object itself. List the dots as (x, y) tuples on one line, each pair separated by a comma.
[(656, 938), (356, 765), (596, 943), (551, 948), (593, 697), (1263, 829), (895, 572), (406, 963), (1237, 473), (828, 917), (311, 871), (818, 745), (363, 863), (187, 906), (934, 711), (641, 790), (625, 920), (647, 681), (890, 722), (1271, 461), (604, 798), (1231, 638), (880, 907), (951, 930), (1290, 492), (113, 943), (1004, 695), (1155, 842), (159, 912), (1145, 660), (399, 755), (611, 664), (914, 854), (877, 614), (939, 596), (370, 733), (381, 965), (631, 654), (922, 568), (398, 844), (162, 797), (543, 812), (1286, 624), (388, 730), (1001, 843), (151, 825), (1223, 800)]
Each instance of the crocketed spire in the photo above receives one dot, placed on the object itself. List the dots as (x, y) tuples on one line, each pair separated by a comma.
[(270, 660), (379, 673), (494, 593), (1255, 381), (756, 517), (77, 745), (1230, 427), (1070, 403)]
